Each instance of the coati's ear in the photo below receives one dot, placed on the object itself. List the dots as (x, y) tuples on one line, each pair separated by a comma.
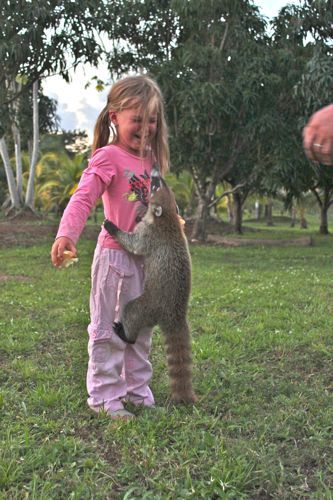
[(158, 210)]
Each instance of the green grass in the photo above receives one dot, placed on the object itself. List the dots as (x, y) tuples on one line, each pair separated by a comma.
[(262, 323)]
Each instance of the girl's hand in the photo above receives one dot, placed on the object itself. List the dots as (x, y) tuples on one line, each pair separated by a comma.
[(59, 246)]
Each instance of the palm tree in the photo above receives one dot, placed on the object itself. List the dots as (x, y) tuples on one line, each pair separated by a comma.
[(57, 177), (184, 189)]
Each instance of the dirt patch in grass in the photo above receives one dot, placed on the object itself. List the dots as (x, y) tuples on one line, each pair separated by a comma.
[(29, 231), (215, 239), (7, 277), (26, 233), (109, 452), (304, 359)]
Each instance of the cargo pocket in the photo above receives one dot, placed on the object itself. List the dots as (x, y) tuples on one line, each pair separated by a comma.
[(101, 358), (120, 280)]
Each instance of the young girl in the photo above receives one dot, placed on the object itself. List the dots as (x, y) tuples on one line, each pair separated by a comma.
[(118, 172)]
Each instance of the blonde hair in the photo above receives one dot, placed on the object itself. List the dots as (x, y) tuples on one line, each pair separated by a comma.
[(142, 92)]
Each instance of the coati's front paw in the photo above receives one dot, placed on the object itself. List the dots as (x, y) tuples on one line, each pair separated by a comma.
[(119, 330), (110, 227)]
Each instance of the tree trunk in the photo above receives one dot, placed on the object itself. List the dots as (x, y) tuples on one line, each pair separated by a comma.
[(199, 231), (230, 210), (238, 213), (18, 159), (15, 105), (257, 210), (269, 212), (303, 222), (14, 197), (323, 219), (29, 197), (293, 216)]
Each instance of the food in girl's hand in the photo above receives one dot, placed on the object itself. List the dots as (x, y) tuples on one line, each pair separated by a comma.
[(181, 220), (69, 259)]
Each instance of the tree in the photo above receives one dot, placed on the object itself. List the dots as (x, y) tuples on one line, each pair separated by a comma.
[(57, 177), (303, 55), (183, 187), (207, 57), (45, 120), (37, 39), (216, 94), (314, 91), (72, 141), (144, 35)]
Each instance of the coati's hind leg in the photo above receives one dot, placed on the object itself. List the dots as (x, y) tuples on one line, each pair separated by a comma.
[(134, 318), (178, 347)]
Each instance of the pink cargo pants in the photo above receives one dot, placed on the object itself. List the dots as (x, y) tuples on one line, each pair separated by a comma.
[(117, 371)]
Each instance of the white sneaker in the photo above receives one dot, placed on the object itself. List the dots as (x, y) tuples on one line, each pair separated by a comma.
[(124, 414), (114, 414)]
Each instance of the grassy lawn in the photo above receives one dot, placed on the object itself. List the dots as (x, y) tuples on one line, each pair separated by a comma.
[(262, 323)]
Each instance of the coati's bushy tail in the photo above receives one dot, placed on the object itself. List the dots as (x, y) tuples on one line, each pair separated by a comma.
[(178, 348)]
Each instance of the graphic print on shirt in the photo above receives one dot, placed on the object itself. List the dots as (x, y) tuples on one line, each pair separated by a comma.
[(138, 191)]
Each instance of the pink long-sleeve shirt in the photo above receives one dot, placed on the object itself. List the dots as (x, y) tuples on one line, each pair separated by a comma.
[(122, 180)]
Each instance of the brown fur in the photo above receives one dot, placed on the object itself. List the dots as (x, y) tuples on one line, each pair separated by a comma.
[(160, 238)]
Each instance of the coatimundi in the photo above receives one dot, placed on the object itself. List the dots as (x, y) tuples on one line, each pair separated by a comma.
[(160, 238)]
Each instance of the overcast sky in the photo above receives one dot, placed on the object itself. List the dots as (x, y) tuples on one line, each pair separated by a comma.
[(78, 107)]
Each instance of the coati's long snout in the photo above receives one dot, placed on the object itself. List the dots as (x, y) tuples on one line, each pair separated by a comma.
[(156, 180), (160, 193)]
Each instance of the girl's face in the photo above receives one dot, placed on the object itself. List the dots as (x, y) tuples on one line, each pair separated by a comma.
[(129, 129)]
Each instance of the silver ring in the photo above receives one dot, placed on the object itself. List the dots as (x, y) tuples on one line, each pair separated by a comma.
[(317, 145)]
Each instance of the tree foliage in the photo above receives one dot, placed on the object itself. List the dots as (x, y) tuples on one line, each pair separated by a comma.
[(237, 95), (303, 53), (207, 57), (37, 39), (57, 177)]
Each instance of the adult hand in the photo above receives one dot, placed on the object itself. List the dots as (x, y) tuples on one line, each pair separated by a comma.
[(318, 136), (59, 246)]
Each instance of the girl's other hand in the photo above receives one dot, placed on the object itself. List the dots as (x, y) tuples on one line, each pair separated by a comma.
[(59, 246)]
